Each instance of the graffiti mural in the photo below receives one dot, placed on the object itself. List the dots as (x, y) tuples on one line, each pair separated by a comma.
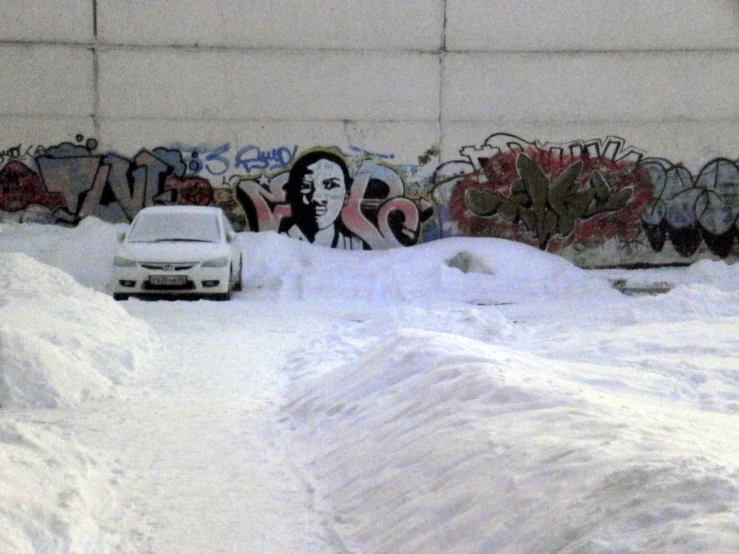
[(564, 198), (68, 182), (320, 200), (20, 188), (550, 195), (584, 193), (693, 210), (320, 196)]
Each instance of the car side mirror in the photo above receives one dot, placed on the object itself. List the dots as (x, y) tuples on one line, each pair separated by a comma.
[(231, 236), (121, 236)]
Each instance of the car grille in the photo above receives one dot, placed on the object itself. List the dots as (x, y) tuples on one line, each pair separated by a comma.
[(184, 266)]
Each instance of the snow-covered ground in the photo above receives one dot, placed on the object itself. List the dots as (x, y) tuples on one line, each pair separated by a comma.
[(462, 396)]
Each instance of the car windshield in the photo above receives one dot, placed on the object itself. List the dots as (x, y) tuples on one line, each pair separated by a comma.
[(187, 227)]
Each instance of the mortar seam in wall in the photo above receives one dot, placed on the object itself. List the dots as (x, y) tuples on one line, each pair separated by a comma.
[(641, 122), (96, 93), (442, 56), (456, 120), (95, 72), (262, 49), (596, 51), (483, 120), (103, 46), (344, 121)]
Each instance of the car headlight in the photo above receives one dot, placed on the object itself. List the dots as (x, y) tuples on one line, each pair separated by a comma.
[(120, 261), (216, 262)]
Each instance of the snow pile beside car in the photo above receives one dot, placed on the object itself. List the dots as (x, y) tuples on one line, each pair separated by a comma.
[(85, 252), (436, 443), (62, 343)]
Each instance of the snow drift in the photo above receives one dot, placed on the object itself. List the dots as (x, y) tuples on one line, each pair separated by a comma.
[(62, 343), (429, 442), (484, 271)]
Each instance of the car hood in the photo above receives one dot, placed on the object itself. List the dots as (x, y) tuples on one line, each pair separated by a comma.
[(172, 251)]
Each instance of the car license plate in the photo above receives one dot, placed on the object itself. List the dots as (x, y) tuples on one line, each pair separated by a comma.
[(168, 280)]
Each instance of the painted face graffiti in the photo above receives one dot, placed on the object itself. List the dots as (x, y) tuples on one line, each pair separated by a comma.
[(324, 190), (319, 200), (317, 190)]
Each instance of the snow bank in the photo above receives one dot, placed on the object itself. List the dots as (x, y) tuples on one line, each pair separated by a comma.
[(484, 271), (689, 302), (50, 493), (62, 343), (715, 273), (474, 270), (85, 252), (429, 442)]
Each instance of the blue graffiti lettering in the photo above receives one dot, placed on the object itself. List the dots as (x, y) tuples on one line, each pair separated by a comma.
[(217, 156), (252, 158), (221, 159)]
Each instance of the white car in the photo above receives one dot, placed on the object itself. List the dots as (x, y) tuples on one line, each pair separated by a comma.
[(178, 250)]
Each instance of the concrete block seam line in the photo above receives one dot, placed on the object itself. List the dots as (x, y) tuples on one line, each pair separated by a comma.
[(102, 45), (442, 56), (247, 120), (105, 46), (359, 121), (443, 25), (95, 91), (641, 121), (95, 70), (445, 121), (593, 51)]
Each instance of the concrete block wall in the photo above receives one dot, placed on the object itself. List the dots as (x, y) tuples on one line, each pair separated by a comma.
[(414, 82)]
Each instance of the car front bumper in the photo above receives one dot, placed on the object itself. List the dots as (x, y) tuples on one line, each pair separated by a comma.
[(195, 281)]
